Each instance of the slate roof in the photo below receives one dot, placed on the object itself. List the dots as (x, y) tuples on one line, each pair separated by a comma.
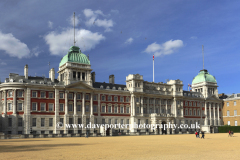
[(99, 84)]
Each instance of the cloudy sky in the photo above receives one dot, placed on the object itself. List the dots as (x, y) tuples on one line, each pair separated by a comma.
[(122, 36)]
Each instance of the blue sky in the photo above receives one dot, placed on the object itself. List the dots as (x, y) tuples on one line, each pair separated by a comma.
[(121, 37)]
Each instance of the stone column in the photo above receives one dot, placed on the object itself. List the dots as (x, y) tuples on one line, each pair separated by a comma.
[(133, 105), (154, 107), (148, 109), (160, 108), (83, 113), (160, 128), (57, 119), (214, 116), (66, 116), (14, 102), (4, 111), (99, 101), (91, 113), (14, 115), (210, 113), (81, 76), (27, 120), (206, 116), (175, 107), (141, 105), (173, 129), (75, 116), (168, 129), (166, 106)]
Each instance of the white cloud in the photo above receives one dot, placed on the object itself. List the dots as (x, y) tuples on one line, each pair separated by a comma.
[(35, 51), (115, 11), (92, 19), (193, 37), (86, 40), (129, 40), (168, 47), (50, 24), (3, 63), (13, 46)]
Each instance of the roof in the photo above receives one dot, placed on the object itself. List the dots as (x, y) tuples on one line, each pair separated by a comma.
[(75, 55), (204, 76), (110, 85), (192, 94)]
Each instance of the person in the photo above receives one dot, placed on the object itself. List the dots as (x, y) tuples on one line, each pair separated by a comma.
[(229, 133), (202, 135), (196, 134)]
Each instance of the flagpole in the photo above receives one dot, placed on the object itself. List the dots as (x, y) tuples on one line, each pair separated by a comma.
[(153, 68)]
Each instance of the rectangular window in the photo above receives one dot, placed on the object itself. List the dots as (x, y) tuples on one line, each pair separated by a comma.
[(50, 95), (50, 107), (61, 120), (128, 110), (78, 96), (198, 113), (42, 107), (186, 112), (235, 123), (146, 121), (137, 110), (9, 122), (95, 97), (137, 99), (127, 121), (116, 121), (190, 112), (20, 93), (121, 121), (127, 99), (74, 74), (34, 106), (79, 121), (229, 123), (19, 122), (194, 112), (109, 98), (94, 108), (9, 106), (70, 120), (42, 122), (121, 99), (109, 121), (235, 103), (186, 103), (103, 98), (79, 108), (103, 109), (43, 94), (61, 95), (87, 108), (70, 107), (61, 107), (169, 111), (34, 122), (121, 110), (10, 94), (103, 121), (227, 103), (70, 96), (235, 112), (115, 109), (115, 98), (109, 109), (50, 122), (20, 107), (87, 97), (228, 113)]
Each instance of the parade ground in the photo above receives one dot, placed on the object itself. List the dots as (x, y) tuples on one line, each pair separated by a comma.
[(186, 146)]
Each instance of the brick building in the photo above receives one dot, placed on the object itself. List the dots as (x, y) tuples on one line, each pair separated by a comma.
[(38, 104)]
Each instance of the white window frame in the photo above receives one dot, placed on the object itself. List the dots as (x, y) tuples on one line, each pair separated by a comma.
[(79, 96), (44, 94), (33, 94), (52, 106), (109, 109), (70, 107), (11, 108), (128, 110), (186, 112), (61, 97), (121, 109), (115, 109), (229, 123), (103, 109), (60, 107), (121, 99), (103, 98), (109, 98), (228, 113), (41, 106), (87, 109), (235, 123), (70, 96), (79, 109), (95, 97), (115, 98), (235, 103), (10, 93), (49, 95), (36, 106), (20, 91), (227, 104), (235, 112), (95, 109), (18, 106)]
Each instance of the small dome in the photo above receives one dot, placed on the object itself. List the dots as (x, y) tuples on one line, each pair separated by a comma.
[(204, 76), (76, 56)]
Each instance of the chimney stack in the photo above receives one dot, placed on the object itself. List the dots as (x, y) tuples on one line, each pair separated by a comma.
[(93, 77), (112, 79), (52, 74), (26, 71)]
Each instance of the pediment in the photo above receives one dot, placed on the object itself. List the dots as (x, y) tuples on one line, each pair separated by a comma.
[(79, 85), (213, 98)]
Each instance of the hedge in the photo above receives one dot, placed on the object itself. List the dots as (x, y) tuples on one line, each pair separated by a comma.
[(225, 129)]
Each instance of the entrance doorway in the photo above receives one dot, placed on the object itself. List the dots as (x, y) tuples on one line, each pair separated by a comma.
[(164, 131), (108, 132), (158, 130)]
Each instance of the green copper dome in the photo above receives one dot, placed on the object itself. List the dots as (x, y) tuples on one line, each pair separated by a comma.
[(76, 56), (204, 76)]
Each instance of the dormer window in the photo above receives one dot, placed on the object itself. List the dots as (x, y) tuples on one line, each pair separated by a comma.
[(41, 82), (49, 83), (33, 81), (114, 88), (108, 87), (101, 86), (21, 80), (119, 88), (11, 80)]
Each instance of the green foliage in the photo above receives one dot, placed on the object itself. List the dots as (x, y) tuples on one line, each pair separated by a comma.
[(226, 128)]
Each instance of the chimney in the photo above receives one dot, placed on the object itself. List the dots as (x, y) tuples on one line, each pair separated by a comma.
[(93, 77), (26, 71), (111, 79), (52, 74)]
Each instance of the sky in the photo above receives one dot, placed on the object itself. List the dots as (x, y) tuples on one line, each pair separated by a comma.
[(121, 37)]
